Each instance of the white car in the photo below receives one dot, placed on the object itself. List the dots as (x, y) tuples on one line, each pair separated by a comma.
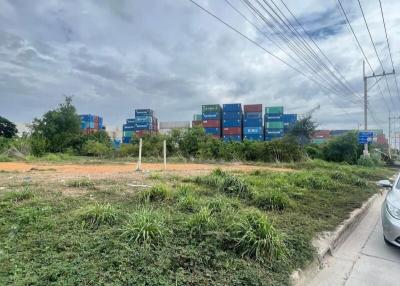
[(391, 212)]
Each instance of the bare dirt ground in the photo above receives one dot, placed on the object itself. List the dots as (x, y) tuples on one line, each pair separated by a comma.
[(127, 168)]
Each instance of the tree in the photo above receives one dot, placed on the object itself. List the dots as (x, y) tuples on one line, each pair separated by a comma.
[(303, 130), (60, 127), (343, 149), (7, 128)]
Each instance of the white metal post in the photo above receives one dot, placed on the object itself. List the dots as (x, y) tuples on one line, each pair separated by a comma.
[(165, 154), (139, 163), (365, 109)]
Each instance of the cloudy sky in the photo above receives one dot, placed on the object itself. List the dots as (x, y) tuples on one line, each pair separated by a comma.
[(115, 56)]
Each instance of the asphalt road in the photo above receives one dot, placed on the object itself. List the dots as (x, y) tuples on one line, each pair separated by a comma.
[(364, 258)]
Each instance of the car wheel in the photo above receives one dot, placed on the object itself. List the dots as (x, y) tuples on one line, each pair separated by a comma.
[(387, 242)]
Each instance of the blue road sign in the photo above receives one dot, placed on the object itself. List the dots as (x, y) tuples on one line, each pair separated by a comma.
[(365, 137)]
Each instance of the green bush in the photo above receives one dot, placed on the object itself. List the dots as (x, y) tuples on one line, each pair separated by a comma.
[(145, 227), (343, 149), (38, 145), (272, 200), (94, 148), (155, 193), (255, 236), (201, 222), (99, 214), (82, 183)]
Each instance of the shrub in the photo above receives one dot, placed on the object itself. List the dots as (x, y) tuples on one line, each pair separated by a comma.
[(94, 148), (99, 214), (39, 145), (81, 183), (235, 186), (18, 196), (188, 203), (343, 149), (155, 193), (201, 222), (272, 200), (255, 236), (145, 227)]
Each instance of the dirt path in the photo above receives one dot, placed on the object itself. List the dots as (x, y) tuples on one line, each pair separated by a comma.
[(113, 169)]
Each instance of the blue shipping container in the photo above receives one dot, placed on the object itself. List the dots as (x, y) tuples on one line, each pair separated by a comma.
[(143, 126), (144, 119), (128, 127), (253, 122), (126, 140), (232, 107), (232, 123), (289, 118), (237, 115), (277, 132), (254, 137), (211, 116), (252, 130), (143, 112), (213, 131), (236, 138), (272, 118), (131, 120), (253, 115)]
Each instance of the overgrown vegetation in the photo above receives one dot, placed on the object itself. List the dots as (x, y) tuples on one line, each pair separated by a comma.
[(218, 229)]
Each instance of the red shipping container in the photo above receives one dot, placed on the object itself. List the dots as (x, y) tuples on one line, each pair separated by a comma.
[(253, 108), (212, 123), (197, 123), (232, 131), (322, 134)]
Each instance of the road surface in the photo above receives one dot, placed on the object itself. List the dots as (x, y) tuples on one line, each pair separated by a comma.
[(364, 258)]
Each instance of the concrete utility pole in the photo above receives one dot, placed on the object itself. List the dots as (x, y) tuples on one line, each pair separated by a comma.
[(139, 162), (365, 78)]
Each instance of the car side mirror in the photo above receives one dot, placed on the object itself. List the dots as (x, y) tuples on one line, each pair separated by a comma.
[(385, 184)]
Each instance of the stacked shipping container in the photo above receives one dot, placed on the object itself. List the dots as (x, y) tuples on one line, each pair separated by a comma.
[(144, 123), (289, 120), (91, 123), (232, 122), (252, 123), (274, 127), (211, 116), (197, 120)]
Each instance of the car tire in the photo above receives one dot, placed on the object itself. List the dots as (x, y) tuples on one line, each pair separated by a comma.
[(387, 242)]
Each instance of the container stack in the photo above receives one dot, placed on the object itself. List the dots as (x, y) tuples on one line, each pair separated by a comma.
[(321, 136), (232, 122), (146, 123), (211, 116), (128, 130), (289, 120), (274, 127), (91, 123), (253, 123), (197, 120)]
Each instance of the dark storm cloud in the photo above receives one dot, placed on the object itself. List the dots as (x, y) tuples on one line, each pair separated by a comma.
[(114, 56)]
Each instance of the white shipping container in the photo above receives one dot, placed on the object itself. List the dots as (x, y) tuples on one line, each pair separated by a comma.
[(174, 124)]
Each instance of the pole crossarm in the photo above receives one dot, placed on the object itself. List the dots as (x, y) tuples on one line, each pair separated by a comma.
[(381, 75)]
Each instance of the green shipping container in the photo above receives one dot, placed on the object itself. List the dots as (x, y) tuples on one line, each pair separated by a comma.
[(211, 108), (275, 125), (197, 117), (318, 140), (128, 134), (274, 110)]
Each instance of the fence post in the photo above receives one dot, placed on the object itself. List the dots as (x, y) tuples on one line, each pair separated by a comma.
[(165, 154), (139, 163)]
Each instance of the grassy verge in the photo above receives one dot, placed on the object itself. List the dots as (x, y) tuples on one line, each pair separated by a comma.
[(219, 229)]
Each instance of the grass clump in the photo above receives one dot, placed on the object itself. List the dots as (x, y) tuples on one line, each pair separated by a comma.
[(201, 222), (99, 214), (19, 196), (155, 194), (272, 200), (255, 237), (145, 227), (82, 183)]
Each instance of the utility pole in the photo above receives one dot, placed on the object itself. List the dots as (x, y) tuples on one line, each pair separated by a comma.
[(389, 148), (390, 134), (365, 78)]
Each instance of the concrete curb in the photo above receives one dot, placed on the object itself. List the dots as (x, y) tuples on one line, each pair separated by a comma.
[(328, 242)]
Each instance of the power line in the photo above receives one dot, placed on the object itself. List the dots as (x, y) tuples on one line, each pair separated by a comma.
[(376, 52), (390, 52), (260, 46), (294, 45), (362, 50)]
